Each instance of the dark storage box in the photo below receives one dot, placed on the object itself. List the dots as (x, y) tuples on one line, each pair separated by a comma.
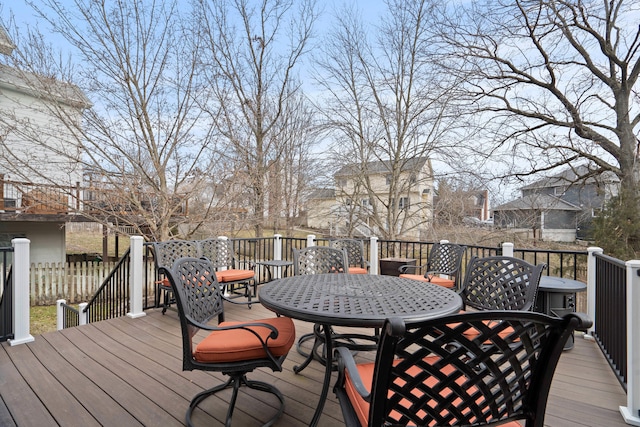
[(389, 266)]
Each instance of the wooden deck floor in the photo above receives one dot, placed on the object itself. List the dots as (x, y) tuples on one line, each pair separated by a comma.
[(127, 372)]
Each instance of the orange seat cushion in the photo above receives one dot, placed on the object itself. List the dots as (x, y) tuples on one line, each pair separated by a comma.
[(471, 333), (366, 374), (239, 344), (436, 280), (234, 275), (358, 270)]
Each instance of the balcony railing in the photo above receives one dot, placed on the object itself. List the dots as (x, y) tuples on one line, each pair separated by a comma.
[(97, 198)]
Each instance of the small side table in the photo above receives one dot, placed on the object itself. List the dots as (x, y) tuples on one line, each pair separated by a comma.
[(557, 297), (276, 263)]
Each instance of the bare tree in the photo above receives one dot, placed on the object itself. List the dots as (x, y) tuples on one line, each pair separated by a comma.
[(253, 51), (554, 82), (142, 143), (289, 173), (386, 104)]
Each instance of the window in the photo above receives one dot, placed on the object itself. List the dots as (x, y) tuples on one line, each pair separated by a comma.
[(559, 191), (342, 182), (388, 179), (403, 203)]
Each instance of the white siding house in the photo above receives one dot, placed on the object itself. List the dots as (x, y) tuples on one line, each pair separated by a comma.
[(39, 157)]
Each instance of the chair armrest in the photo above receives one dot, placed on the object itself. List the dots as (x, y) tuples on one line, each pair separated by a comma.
[(347, 363), (245, 326), (584, 321), (415, 268)]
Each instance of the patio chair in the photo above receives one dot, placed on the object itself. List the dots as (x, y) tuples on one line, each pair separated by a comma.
[(445, 259), (232, 348), (322, 260), (319, 260), (165, 254), (235, 281), (355, 254), (500, 283), (434, 373)]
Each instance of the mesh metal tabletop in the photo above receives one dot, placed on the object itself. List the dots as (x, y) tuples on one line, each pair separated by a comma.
[(357, 299)]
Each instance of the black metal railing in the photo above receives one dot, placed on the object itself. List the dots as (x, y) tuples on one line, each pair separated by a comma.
[(567, 264), (70, 316), (6, 294), (112, 298), (610, 327)]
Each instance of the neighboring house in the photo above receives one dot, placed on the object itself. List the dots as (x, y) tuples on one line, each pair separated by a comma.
[(35, 201), (470, 207), (321, 207), (559, 208), (349, 207)]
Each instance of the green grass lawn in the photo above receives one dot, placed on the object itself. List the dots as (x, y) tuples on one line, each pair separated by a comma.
[(43, 319)]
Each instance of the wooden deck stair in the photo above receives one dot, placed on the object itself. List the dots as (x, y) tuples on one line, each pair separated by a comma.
[(128, 372)]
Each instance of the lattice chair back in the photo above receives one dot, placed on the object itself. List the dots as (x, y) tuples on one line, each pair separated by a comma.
[(218, 251), (458, 370), (198, 295), (501, 283), (355, 254), (319, 260), (166, 253), (446, 258)]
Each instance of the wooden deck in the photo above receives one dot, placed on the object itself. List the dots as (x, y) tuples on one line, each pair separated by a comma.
[(128, 372)]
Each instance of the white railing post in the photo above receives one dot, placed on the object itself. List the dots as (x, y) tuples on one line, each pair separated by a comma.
[(631, 412), (311, 240), (591, 285), (373, 256), (136, 268), (60, 314), (83, 316), (507, 249), (277, 247), (21, 290), (277, 255)]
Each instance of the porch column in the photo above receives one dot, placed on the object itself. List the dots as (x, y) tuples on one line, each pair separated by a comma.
[(21, 307), (135, 277), (631, 412)]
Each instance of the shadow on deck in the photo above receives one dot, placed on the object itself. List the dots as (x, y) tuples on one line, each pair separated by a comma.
[(127, 372)]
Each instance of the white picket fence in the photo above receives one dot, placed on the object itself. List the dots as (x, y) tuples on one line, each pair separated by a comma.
[(74, 281)]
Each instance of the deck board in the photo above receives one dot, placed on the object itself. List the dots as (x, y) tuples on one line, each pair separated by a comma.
[(127, 372)]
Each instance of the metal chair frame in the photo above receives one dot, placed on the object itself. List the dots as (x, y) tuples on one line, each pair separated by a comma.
[(221, 254), (459, 370), (165, 254), (199, 300), (444, 258), (354, 249), (500, 283)]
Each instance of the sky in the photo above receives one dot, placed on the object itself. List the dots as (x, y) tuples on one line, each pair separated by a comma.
[(371, 11)]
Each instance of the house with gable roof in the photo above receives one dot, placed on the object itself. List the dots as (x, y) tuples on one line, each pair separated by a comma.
[(559, 208), (347, 208)]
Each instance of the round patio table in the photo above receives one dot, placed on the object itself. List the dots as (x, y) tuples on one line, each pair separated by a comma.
[(355, 300)]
